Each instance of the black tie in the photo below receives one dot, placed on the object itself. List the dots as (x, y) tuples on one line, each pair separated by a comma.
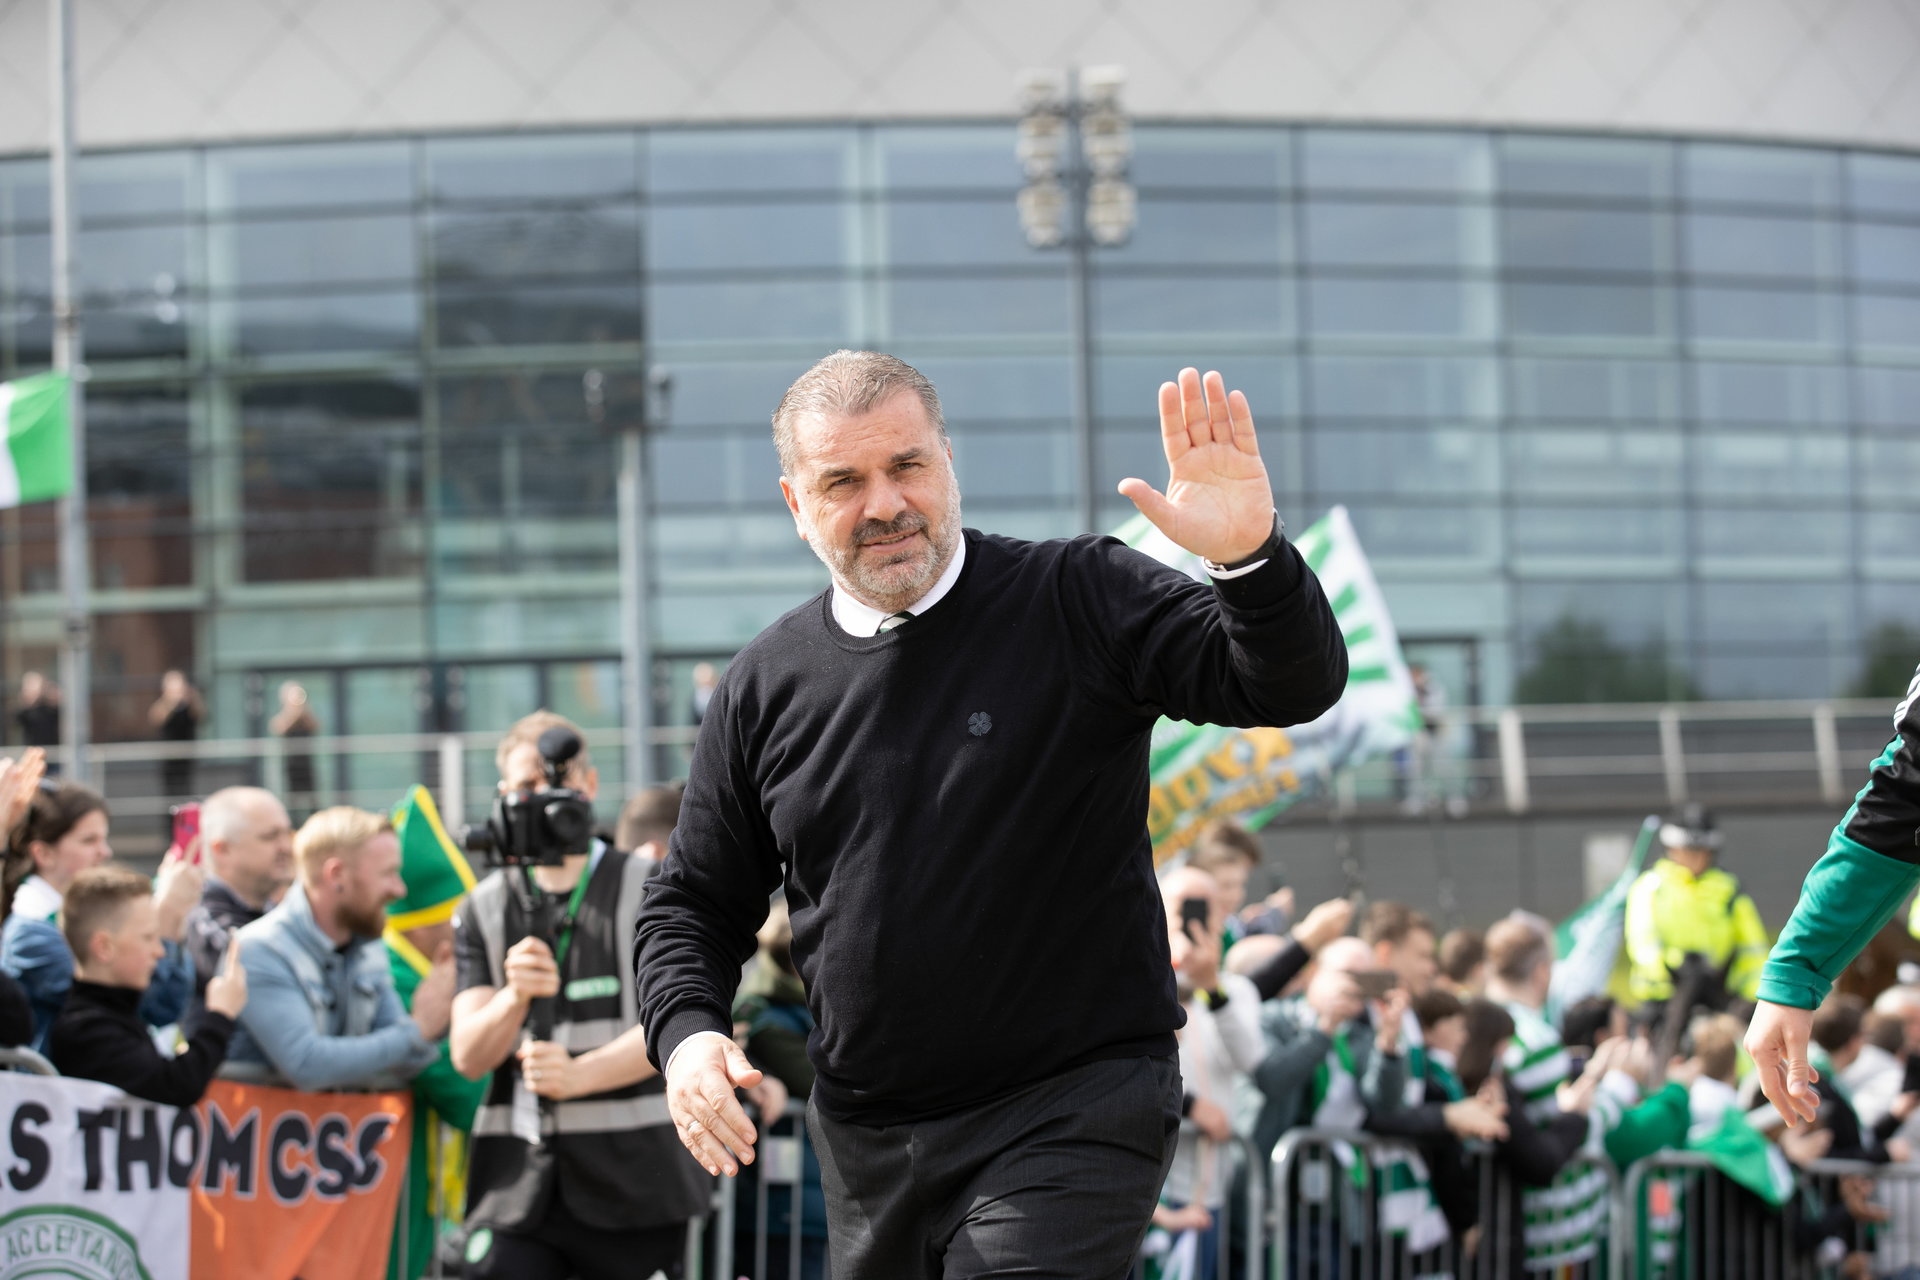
[(893, 620)]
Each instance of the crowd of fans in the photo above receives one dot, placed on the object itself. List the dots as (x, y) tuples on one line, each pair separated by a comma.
[(271, 954)]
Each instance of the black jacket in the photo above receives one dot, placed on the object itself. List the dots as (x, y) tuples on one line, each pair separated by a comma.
[(99, 1036), (211, 924), (16, 1015)]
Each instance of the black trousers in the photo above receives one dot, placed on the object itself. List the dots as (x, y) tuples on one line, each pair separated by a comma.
[(563, 1248), (1056, 1180)]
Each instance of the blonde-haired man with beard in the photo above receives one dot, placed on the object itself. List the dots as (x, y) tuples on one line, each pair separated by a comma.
[(324, 937)]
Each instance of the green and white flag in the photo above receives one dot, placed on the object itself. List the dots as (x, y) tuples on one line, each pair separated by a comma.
[(1203, 772), (37, 463), (1587, 943)]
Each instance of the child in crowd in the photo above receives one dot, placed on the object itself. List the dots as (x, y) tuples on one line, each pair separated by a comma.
[(111, 923)]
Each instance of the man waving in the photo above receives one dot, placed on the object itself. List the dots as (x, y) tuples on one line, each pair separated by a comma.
[(943, 759)]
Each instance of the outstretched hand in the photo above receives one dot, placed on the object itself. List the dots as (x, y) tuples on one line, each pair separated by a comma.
[(701, 1078), (1218, 503), (1777, 1043)]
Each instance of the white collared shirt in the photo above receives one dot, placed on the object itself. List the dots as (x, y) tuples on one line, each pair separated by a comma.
[(859, 619)]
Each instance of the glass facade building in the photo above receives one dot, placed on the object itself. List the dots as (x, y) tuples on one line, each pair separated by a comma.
[(1615, 417)]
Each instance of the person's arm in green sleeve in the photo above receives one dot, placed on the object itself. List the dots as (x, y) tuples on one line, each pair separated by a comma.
[(1868, 869), (1656, 1123), (452, 1096)]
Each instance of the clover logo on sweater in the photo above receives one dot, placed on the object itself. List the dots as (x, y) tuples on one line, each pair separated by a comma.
[(979, 723)]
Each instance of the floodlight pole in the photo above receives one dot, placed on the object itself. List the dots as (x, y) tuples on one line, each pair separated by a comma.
[(1080, 312), (76, 654)]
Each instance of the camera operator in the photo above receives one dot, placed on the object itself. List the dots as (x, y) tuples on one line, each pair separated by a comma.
[(576, 1166)]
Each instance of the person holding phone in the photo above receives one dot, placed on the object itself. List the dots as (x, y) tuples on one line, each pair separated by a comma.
[(1220, 1044), (243, 839)]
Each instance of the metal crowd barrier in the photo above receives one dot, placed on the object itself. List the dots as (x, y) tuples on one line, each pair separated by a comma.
[(25, 1060), (1332, 1198)]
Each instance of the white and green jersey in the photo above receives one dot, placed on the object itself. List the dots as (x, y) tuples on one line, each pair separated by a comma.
[(1407, 1206), (1567, 1219)]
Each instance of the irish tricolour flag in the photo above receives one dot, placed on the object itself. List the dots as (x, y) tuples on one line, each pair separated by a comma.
[(37, 463), (1200, 772)]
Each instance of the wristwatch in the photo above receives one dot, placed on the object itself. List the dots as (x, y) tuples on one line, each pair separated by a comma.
[(1266, 551)]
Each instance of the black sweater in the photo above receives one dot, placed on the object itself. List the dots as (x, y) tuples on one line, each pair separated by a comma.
[(959, 811), (99, 1035)]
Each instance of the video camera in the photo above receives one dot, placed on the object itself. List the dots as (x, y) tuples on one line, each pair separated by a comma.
[(539, 828)]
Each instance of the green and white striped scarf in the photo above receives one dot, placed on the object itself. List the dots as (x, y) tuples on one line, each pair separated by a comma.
[(1567, 1219)]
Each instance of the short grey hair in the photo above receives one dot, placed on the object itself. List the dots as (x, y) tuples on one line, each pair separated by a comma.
[(846, 384), (223, 815)]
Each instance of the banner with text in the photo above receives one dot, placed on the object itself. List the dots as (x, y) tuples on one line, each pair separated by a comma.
[(253, 1182), (1202, 772)]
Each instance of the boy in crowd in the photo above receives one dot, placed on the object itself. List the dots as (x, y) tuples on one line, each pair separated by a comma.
[(109, 920)]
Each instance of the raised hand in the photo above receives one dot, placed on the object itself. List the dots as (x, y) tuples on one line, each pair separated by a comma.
[(1218, 503), (19, 780), (227, 989)]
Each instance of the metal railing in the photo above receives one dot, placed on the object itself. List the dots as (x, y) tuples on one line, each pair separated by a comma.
[(1531, 759)]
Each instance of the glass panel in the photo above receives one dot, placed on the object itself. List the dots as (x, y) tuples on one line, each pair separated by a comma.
[(1398, 235), (1886, 322), (1773, 536), (1788, 394), (1618, 463), (1786, 248), (330, 480), (1763, 315), (977, 305), (1422, 531), (1370, 462), (957, 233), (1886, 255), (1601, 618), (750, 160), (1411, 308), (309, 176), (1186, 157), (1608, 168), (136, 184), (1625, 391), (600, 241), (115, 264), (519, 446), (564, 166), (1249, 303), (701, 472), (1589, 310), (1586, 240), (131, 651), (1760, 175), (1887, 466), (1127, 388), (1176, 232), (537, 315), (1887, 397), (1884, 184), (493, 695), (587, 693), (949, 159), (286, 252), (139, 487), (1603, 535), (1378, 160), (365, 322), (741, 236), (1774, 464), (741, 393), (382, 700), (809, 310), (1403, 387), (998, 389), (1000, 466), (153, 331), (23, 193), (1774, 615)]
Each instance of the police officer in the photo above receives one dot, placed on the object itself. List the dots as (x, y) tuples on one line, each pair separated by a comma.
[(1687, 916)]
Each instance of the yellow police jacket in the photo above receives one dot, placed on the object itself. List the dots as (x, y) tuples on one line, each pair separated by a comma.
[(1671, 912)]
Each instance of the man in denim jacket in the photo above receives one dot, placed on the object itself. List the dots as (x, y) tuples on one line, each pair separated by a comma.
[(322, 1012)]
